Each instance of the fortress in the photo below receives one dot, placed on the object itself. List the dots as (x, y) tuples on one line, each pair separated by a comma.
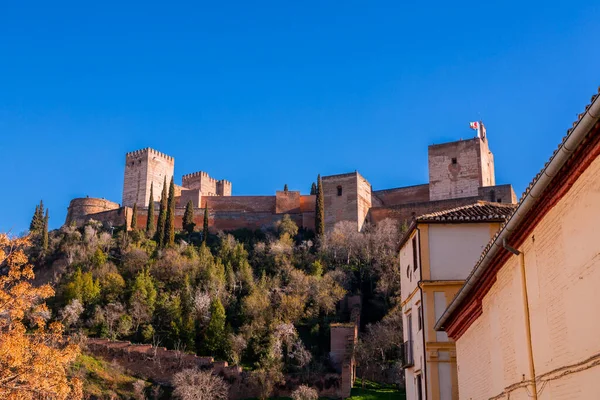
[(460, 173)]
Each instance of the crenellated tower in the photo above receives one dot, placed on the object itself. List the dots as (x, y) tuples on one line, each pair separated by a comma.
[(142, 169)]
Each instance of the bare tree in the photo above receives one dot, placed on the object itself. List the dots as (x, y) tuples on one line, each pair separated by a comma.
[(193, 384), (304, 392), (71, 312)]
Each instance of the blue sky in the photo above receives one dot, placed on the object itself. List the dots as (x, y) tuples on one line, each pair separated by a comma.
[(268, 93)]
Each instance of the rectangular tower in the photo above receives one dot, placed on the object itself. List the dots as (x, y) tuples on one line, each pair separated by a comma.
[(459, 169), (144, 168), (347, 197)]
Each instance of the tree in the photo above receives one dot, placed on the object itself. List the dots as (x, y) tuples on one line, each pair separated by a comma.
[(285, 187), (188, 218), (194, 384), (162, 216), (134, 217), (33, 363), (37, 222), (287, 226), (304, 392), (205, 227), (143, 299), (169, 239), (214, 336), (45, 233), (313, 189), (150, 220), (320, 209)]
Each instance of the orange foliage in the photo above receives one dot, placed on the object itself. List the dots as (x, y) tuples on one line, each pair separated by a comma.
[(34, 364)]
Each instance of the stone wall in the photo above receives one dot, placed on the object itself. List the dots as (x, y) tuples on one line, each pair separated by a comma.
[(402, 195), (80, 208), (142, 169), (340, 195), (287, 202), (456, 169), (363, 199), (160, 364)]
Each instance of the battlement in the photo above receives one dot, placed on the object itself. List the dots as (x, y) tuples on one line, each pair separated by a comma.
[(207, 185), (137, 153), (200, 174)]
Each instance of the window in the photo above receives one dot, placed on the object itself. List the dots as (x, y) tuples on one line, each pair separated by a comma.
[(454, 161), (414, 247), (419, 387), (339, 188), (499, 200), (420, 318)]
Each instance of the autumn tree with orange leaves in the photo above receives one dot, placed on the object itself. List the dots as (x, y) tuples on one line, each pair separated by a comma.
[(34, 356)]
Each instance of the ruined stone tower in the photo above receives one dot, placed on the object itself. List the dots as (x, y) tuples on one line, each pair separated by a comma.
[(459, 169), (143, 168)]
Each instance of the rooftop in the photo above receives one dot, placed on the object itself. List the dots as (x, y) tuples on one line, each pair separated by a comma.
[(482, 211)]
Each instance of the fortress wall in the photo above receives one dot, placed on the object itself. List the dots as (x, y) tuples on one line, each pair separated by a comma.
[(406, 212), (287, 202), (499, 193), (194, 195), (364, 195), (240, 203), (340, 196), (229, 220), (308, 203), (82, 207), (403, 195)]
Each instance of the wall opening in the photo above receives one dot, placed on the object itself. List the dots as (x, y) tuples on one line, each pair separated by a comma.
[(454, 161), (414, 248), (339, 190)]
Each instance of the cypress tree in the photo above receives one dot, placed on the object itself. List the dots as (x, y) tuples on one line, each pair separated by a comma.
[(162, 215), (150, 220), (169, 238), (45, 232), (37, 222), (320, 209), (313, 189), (34, 220), (134, 217), (188, 218), (205, 227), (285, 188)]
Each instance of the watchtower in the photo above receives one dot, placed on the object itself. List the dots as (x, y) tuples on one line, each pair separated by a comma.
[(144, 168), (459, 169)]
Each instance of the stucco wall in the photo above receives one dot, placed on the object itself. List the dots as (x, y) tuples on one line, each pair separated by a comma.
[(562, 264), (454, 248)]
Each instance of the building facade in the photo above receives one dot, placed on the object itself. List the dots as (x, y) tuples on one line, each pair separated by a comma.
[(460, 173), (524, 322), (435, 258)]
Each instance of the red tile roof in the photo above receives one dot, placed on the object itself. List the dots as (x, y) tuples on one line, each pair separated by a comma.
[(482, 211)]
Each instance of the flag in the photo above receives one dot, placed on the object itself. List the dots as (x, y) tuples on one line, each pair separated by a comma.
[(474, 125)]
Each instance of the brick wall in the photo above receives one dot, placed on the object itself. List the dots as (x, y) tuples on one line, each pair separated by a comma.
[(562, 268)]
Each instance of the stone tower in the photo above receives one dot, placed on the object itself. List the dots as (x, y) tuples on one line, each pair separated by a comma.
[(143, 168), (347, 197), (459, 169)]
